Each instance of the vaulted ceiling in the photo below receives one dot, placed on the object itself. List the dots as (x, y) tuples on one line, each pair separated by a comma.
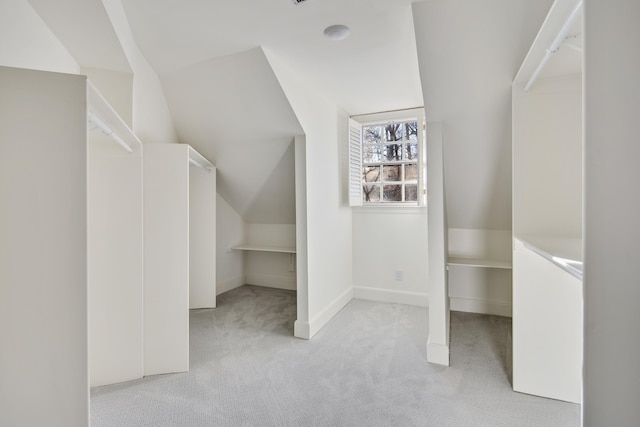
[(223, 96), (225, 99), (375, 69), (233, 111)]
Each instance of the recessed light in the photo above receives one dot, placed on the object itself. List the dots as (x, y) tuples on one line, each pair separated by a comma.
[(337, 32)]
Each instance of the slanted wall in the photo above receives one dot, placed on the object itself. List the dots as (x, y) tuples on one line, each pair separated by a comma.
[(328, 217)]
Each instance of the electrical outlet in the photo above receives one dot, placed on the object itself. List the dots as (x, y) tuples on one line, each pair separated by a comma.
[(398, 275)]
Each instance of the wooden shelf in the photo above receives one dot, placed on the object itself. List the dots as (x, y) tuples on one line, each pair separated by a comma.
[(477, 262), (264, 248)]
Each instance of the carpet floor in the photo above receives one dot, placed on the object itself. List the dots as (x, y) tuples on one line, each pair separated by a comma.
[(367, 367)]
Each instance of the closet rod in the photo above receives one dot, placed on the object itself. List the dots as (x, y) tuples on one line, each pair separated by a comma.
[(562, 35), (194, 163), (107, 131)]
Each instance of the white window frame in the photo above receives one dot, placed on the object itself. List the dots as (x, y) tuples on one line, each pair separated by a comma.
[(356, 123)]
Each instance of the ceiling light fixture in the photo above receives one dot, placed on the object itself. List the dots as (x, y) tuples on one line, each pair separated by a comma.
[(337, 32)]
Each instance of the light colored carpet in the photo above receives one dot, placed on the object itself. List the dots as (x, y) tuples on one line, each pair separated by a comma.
[(366, 368)]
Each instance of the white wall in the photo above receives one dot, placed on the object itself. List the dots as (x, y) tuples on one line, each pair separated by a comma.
[(230, 231), (283, 235), (256, 171), (116, 87), (328, 218), (152, 120), (469, 53), (27, 42), (547, 158), (43, 249), (480, 290), (386, 240), (612, 209), (271, 269)]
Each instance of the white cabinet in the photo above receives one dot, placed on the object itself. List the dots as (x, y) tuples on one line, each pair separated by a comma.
[(547, 326), (114, 246), (179, 226), (547, 210), (71, 245)]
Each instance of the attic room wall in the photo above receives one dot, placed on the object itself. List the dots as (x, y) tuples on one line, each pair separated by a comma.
[(404, 233), (151, 118), (328, 218), (232, 110), (274, 270), (27, 42), (467, 87), (611, 212), (230, 230), (116, 87)]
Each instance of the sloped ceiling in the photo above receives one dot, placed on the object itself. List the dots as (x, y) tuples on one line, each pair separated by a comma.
[(233, 111), (224, 98), (226, 101), (375, 69), (469, 53), (85, 30)]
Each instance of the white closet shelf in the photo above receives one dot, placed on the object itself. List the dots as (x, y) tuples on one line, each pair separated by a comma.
[(265, 248), (478, 262)]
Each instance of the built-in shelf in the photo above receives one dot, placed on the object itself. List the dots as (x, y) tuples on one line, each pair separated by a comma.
[(477, 262), (265, 248)]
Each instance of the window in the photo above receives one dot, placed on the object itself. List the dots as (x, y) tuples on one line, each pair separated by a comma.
[(387, 162)]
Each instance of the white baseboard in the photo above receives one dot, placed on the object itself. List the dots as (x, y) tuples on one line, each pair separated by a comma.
[(301, 330), (269, 281), (437, 353), (391, 296), (307, 330), (498, 308), (228, 284)]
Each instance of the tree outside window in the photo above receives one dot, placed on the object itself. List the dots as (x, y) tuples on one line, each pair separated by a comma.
[(390, 162)]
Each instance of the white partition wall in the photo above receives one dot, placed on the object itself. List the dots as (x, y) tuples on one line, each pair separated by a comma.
[(167, 251), (115, 257), (202, 232), (166, 258), (438, 341), (612, 209), (43, 249)]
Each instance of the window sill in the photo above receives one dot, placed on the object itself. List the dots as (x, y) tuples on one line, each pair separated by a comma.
[(390, 209)]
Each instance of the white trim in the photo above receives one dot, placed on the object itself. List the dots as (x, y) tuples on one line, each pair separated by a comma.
[(229, 284), (396, 115), (393, 209), (478, 263), (355, 163), (264, 248), (469, 305), (301, 330), (307, 330), (270, 281), (391, 296), (437, 353)]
